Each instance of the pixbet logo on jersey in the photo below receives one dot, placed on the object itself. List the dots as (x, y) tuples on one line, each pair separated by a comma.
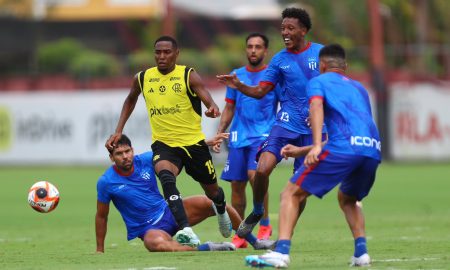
[(165, 110), (365, 141)]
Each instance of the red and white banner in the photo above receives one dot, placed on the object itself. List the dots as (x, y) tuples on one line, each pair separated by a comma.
[(72, 127), (420, 121)]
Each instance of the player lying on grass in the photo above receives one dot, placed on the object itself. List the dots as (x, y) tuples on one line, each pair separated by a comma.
[(131, 185)]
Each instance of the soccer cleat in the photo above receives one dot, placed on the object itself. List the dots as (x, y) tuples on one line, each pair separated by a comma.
[(187, 237), (222, 246), (225, 226), (239, 242), (264, 232), (271, 259), (248, 224), (363, 260), (264, 244)]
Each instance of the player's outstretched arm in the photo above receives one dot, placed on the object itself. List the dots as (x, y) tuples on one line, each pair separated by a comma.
[(290, 150), (231, 81), (316, 118), (215, 141), (258, 91), (225, 120), (196, 84), (127, 109), (101, 222)]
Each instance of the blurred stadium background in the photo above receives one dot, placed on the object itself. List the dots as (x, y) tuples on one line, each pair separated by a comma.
[(66, 65)]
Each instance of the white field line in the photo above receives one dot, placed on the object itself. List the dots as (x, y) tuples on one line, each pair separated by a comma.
[(159, 268), (407, 260), (151, 268), (21, 239)]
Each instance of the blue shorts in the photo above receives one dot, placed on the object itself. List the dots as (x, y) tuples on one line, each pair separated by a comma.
[(239, 161), (279, 137), (356, 175), (166, 223)]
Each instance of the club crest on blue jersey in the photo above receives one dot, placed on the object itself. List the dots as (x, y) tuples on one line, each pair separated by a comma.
[(312, 63), (146, 175)]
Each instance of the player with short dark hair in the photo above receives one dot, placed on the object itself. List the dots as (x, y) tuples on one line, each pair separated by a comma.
[(251, 120), (291, 69), (169, 39), (173, 95), (350, 157), (131, 185), (258, 35), (300, 14)]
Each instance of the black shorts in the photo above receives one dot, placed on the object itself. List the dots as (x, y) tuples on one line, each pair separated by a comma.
[(195, 158)]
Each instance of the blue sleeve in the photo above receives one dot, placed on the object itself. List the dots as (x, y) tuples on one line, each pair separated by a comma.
[(272, 73), (230, 94), (102, 190), (314, 88)]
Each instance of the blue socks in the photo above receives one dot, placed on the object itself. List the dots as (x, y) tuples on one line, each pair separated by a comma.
[(360, 246), (258, 208), (283, 246), (251, 238), (203, 247), (264, 222)]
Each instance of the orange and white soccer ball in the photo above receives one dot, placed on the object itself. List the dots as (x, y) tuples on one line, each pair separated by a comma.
[(43, 197)]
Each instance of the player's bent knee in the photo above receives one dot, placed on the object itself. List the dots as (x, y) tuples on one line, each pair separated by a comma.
[(347, 202), (266, 164), (153, 244), (238, 194), (263, 170), (201, 200), (261, 173), (294, 191), (220, 196), (238, 187), (346, 199)]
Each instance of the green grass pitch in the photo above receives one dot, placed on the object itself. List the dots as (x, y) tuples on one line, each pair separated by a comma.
[(407, 222)]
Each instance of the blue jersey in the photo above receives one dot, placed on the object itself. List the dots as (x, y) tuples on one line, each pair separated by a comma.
[(253, 118), (347, 114), (292, 71), (135, 196)]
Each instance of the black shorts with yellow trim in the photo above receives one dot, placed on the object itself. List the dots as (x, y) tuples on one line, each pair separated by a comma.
[(196, 159)]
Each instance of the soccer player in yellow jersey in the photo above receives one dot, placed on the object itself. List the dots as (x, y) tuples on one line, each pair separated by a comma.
[(173, 95)]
